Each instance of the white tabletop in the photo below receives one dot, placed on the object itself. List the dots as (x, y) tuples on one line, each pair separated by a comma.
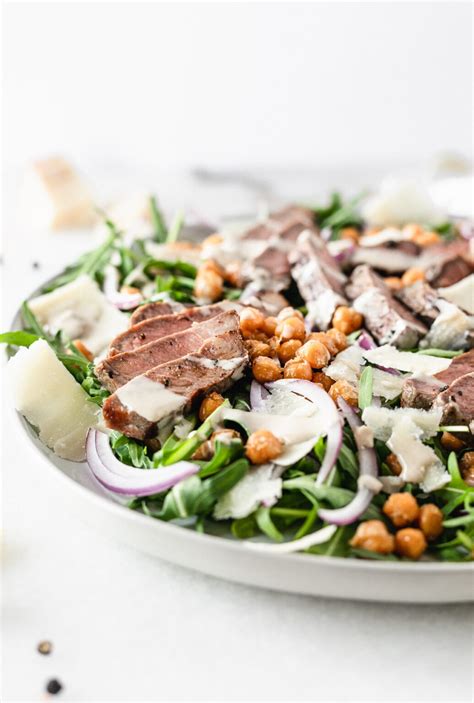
[(126, 627)]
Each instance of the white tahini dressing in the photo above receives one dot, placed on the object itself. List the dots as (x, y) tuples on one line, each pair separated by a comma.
[(149, 399)]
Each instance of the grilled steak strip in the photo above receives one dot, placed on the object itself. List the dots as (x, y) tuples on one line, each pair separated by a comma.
[(153, 328), (420, 298), (457, 401), (446, 264), (144, 312), (189, 377), (117, 370)]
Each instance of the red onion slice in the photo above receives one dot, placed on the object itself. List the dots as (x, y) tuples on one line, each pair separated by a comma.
[(318, 396), (297, 545), (368, 467), (366, 341), (258, 393), (127, 480), (122, 301)]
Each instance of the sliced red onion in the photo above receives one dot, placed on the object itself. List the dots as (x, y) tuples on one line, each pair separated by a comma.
[(258, 393), (127, 480), (297, 545), (122, 301), (368, 467), (319, 397), (366, 341)]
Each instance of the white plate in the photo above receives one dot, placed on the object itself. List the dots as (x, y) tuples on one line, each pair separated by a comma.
[(422, 582)]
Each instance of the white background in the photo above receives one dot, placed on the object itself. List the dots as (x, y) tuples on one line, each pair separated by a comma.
[(132, 90)]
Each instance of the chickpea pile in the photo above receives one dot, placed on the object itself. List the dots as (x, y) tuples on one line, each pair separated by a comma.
[(210, 278), (280, 347), (403, 510)]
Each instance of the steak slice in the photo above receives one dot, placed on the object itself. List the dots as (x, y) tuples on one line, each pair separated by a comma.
[(420, 298), (144, 312), (152, 328), (215, 366), (457, 401), (422, 392), (285, 224), (318, 277), (117, 370), (387, 319), (446, 264)]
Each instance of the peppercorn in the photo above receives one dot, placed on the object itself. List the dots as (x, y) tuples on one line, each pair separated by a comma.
[(54, 686), (45, 647)]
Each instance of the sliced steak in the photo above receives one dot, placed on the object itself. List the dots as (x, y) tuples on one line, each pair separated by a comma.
[(446, 264), (268, 301), (117, 370), (318, 277), (387, 319), (144, 312), (420, 298), (457, 401), (215, 366), (152, 328), (422, 392), (285, 224)]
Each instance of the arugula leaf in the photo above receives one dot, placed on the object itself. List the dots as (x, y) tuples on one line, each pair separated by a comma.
[(160, 231), (443, 353), (176, 226), (244, 527), (224, 453), (18, 338), (365, 387), (129, 451), (266, 525)]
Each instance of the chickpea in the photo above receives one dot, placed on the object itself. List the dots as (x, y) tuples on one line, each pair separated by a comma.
[(208, 285), (451, 443), (210, 403), (270, 325), (393, 464), (256, 348), (326, 339), (412, 275), (338, 337), (427, 239), (373, 536), (204, 452), (81, 347), (350, 233), (291, 328), (211, 265), (412, 230), (285, 313), (346, 319), (232, 274), (251, 321), (410, 542), (225, 435), (213, 239), (430, 521), (393, 282), (287, 350), (344, 389), (263, 446), (207, 449), (466, 466), (401, 508), (298, 368), (265, 370), (315, 353), (323, 380), (274, 344)]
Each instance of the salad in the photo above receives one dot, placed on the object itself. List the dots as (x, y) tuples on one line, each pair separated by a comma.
[(303, 383)]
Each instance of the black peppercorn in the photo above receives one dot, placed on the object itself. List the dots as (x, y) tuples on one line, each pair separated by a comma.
[(53, 686)]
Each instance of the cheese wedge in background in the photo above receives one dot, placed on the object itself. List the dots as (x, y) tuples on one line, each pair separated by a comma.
[(54, 196), (51, 399)]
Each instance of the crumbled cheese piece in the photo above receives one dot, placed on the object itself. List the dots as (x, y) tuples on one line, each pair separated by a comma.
[(51, 399), (400, 202), (390, 357), (347, 365), (81, 311), (56, 197), (364, 436), (382, 420), (450, 329), (257, 487), (461, 294)]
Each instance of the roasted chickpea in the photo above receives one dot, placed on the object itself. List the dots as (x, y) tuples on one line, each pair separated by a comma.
[(430, 521), (208, 285), (344, 389), (346, 319), (213, 239), (270, 325), (81, 347), (287, 312), (251, 321), (427, 239), (287, 350), (410, 542), (315, 353), (350, 233), (274, 344), (323, 380), (210, 403), (211, 265), (373, 536), (233, 274), (204, 452), (339, 338), (291, 328), (298, 368), (326, 339), (262, 446), (412, 275), (466, 466), (393, 464), (266, 370), (412, 230), (393, 282), (451, 443), (401, 508), (256, 348)]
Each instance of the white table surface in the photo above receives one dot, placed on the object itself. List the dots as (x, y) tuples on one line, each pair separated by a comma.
[(126, 627)]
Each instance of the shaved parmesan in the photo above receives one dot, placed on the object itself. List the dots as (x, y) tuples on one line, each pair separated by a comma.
[(382, 420), (400, 202), (257, 487), (51, 400), (386, 385), (461, 294), (450, 330), (81, 311), (390, 357), (347, 366)]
